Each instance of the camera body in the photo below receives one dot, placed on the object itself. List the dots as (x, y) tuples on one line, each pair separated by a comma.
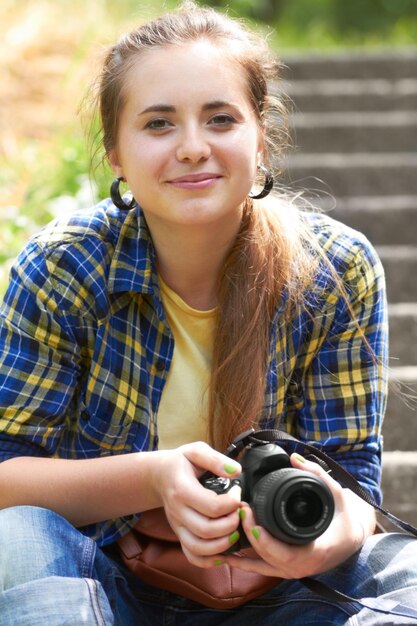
[(293, 505)]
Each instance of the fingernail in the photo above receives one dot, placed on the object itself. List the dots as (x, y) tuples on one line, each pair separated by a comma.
[(218, 562), (229, 468), (242, 514), (234, 537), (236, 492), (256, 532), (300, 458)]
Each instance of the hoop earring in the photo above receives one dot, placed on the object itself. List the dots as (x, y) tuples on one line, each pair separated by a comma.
[(269, 183), (117, 198)]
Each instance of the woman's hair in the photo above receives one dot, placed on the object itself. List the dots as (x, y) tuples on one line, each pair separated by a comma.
[(268, 258)]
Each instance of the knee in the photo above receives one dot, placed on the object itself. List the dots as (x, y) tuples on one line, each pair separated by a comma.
[(36, 543), (25, 526), (392, 559)]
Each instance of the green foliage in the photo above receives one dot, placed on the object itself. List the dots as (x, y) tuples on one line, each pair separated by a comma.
[(330, 23), (354, 22)]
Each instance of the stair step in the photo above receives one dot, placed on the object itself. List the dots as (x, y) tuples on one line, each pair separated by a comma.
[(392, 131), (399, 427), (358, 174), (383, 219), (355, 129), (400, 264), (399, 479), (403, 333), (350, 95), (347, 65)]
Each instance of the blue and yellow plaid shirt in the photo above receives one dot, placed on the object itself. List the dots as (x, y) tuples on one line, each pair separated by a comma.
[(85, 349)]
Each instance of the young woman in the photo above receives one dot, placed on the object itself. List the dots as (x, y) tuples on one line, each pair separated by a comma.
[(139, 337)]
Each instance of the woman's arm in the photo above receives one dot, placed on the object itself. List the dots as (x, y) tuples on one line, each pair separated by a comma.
[(47, 325), (343, 374), (84, 491), (91, 490)]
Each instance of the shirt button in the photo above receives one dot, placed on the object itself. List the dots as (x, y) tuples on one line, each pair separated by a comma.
[(160, 365)]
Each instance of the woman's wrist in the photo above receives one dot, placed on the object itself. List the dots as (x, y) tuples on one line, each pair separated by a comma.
[(151, 468)]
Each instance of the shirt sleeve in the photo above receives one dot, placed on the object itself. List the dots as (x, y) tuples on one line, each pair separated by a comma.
[(39, 361), (344, 378)]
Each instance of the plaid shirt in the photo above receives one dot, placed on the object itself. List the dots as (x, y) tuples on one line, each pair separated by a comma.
[(85, 349)]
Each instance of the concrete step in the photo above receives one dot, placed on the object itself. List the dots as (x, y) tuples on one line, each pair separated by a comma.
[(381, 94), (400, 263), (358, 174), (392, 65), (383, 219), (403, 333), (399, 479), (392, 131), (399, 427)]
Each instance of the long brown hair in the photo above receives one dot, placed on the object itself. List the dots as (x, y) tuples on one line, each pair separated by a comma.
[(267, 257)]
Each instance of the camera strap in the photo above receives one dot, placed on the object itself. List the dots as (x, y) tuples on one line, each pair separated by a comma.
[(252, 438)]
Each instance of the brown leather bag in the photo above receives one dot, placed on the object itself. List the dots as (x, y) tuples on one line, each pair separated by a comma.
[(151, 551)]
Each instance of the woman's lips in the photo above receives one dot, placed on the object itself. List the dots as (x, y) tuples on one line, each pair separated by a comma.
[(195, 181)]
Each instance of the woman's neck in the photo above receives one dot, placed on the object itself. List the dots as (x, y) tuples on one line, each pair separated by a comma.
[(190, 259)]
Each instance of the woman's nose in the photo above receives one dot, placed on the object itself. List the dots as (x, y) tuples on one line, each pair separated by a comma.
[(193, 145)]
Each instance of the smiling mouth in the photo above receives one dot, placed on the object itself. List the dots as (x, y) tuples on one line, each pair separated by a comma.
[(195, 181)]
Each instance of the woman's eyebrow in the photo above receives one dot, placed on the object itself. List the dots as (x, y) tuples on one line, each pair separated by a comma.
[(216, 104), (169, 108), (159, 108)]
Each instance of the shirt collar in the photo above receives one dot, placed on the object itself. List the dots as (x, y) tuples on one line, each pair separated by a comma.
[(133, 264)]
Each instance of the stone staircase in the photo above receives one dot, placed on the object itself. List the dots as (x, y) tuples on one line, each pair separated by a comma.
[(355, 130)]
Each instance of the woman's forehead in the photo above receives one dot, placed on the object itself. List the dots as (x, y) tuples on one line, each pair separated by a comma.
[(200, 67)]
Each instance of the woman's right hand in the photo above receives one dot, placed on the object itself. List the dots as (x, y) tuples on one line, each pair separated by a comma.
[(205, 523)]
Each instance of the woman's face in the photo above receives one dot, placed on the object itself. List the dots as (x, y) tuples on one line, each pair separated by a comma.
[(188, 142)]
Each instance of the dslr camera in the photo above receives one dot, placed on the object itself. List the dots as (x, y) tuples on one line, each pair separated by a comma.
[(293, 505)]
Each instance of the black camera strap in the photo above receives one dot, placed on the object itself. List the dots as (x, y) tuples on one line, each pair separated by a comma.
[(252, 438)]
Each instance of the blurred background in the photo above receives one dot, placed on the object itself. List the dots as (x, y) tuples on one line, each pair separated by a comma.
[(51, 49)]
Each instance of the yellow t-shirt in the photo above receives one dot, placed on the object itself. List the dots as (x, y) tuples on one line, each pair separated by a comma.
[(182, 414)]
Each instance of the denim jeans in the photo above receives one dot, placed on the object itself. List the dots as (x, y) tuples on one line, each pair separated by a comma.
[(51, 574)]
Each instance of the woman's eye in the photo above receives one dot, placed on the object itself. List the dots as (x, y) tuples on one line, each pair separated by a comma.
[(222, 119), (158, 124)]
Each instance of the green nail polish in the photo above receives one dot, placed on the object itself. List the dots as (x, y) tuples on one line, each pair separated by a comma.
[(300, 458), (256, 532), (230, 469), (242, 514), (234, 537), (218, 562)]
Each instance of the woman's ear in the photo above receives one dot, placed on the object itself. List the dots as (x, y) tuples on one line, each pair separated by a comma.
[(261, 150), (114, 162)]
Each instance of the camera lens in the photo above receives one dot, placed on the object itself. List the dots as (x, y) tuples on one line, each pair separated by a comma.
[(304, 508), (293, 505)]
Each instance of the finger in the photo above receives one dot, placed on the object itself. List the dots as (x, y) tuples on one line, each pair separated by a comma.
[(207, 459), (274, 552), (210, 528), (190, 494), (300, 462), (212, 505), (202, 547)]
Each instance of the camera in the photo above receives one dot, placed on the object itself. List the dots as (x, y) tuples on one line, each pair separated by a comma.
[(293, 505)]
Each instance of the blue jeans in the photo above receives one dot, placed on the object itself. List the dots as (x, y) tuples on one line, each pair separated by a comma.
[(51, 574)]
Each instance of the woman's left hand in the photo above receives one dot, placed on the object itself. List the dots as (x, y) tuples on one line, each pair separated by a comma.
[(353, 522)]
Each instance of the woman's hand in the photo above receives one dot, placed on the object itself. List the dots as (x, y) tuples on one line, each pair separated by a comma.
[(353, 522), (205, 523)]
